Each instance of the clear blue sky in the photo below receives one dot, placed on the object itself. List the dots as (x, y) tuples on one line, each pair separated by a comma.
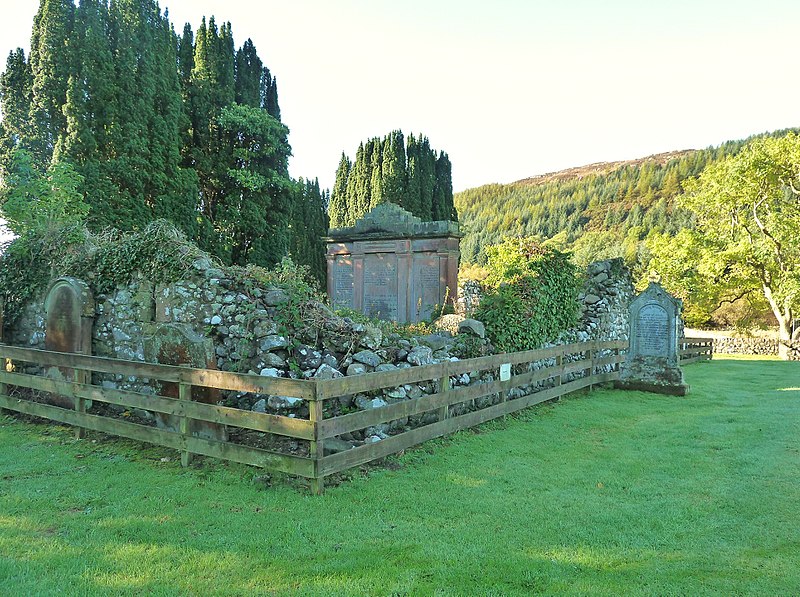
[(511, 88)]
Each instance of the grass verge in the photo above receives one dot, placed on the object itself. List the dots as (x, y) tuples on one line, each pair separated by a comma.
[(608, 493)]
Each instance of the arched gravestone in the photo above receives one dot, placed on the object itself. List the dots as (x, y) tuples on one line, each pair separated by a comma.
[(179, 344), (652, 362), (70, 314)]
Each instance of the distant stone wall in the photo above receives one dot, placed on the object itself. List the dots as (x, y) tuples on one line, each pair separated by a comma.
[(755, 346), (732, 345)]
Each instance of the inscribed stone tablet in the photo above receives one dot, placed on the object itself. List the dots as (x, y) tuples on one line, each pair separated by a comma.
[(380, 286), (63, 331), (652, 331), (343, 289), (427, 285)]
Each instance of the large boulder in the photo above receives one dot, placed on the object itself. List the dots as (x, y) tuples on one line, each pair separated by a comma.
[(472, 327)]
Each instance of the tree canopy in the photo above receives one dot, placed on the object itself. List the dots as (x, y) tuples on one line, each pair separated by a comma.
[(408, 173), (155, 125), (746, 239)]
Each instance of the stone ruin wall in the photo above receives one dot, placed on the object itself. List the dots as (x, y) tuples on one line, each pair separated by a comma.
[(236, 324)]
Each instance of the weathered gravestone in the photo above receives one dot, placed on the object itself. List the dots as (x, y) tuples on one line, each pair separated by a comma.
[(652, 362), (392, 265), (179, 344), (70, 314)]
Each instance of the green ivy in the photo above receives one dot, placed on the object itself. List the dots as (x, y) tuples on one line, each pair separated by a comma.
[(531, 295), (104, 261)]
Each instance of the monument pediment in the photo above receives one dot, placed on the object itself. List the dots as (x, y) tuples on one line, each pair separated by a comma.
[(388, 220)]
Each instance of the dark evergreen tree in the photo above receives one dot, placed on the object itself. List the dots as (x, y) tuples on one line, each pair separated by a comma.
[(376, 174), (384, 171), (338, 207), (249, 73), (269, 94), (50, 70), (393, 168), (15, 105), (309, 227), (427, 178), (443, 208), (413, 194), (186, 57)]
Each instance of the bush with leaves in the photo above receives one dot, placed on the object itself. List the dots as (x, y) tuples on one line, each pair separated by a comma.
[(531, 295)]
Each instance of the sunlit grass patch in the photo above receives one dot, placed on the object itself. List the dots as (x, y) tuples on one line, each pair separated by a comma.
[(604, 493)]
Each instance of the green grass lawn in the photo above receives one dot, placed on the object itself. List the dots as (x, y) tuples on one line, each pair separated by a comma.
[(604, 493)]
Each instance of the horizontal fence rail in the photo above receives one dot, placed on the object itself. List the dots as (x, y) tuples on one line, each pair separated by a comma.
[(499, 385)]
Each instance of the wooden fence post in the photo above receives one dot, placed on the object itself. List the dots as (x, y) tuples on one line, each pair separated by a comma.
[(80, 376), (590, 352), (444, 388), (317, 447), (4, 387), (185, 393), (560, 365)]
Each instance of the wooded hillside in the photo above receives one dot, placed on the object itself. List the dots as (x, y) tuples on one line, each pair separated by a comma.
[(596, 211)]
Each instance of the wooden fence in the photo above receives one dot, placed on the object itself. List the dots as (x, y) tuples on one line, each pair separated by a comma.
[(692, 350), (537, 376)]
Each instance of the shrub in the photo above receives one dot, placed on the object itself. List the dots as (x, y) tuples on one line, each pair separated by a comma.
[(531, 297)]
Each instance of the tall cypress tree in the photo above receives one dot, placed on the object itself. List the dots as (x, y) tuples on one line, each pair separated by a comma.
[(413, 198), (338, 208), (269, 86), (427, 178), (376, 174), (50, 70), (249, 72), (443, 208), (15, 104), (309, 226), (385, 171), (393, 168), (352, 214)]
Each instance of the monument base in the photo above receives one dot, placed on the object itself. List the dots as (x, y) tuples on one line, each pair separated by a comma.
[(652, 374), (653, 387)]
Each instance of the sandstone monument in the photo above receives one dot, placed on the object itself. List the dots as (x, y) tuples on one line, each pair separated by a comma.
[(652, 363), (392, 265), (69, 308)]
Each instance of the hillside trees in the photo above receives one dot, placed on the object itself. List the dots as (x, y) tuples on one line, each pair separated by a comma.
[(747, 210), (627, 202), (407, 172), (156, 125)]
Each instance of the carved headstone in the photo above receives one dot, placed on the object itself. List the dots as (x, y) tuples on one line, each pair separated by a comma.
[(178, 344), (392, 265), (652, 363), (70, 314)]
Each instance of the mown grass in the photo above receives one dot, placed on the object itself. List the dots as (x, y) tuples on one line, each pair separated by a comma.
[(609, 493)]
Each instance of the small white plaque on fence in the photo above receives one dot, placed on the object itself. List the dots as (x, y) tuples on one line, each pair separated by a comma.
[(505, 371)]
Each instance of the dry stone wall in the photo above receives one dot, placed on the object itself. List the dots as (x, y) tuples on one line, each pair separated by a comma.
[(217, 319), (732, 345)]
